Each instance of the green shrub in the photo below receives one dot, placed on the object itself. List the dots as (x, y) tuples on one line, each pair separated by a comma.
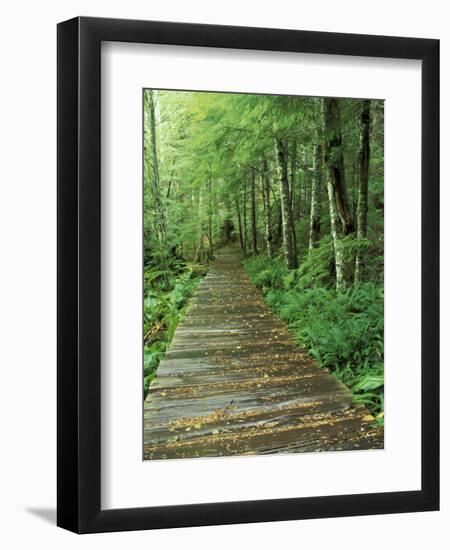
[(265, 272)]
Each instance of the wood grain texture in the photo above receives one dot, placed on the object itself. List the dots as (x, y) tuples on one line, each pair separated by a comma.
[(234, 382)]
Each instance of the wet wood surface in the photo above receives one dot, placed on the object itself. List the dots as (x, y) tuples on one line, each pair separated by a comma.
[(234, 382)]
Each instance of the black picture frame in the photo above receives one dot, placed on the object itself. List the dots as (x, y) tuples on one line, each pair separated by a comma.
[(79, 280)]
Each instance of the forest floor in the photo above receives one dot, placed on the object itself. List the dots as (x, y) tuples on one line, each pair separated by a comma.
[(234, 382)]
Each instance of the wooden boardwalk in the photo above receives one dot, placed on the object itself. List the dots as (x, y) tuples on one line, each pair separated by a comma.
[(234, 382)]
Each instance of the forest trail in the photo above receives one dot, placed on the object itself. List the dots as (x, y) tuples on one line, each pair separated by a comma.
[(234, 382)]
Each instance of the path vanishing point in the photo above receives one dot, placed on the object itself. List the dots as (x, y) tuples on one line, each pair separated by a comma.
[(234, 382)]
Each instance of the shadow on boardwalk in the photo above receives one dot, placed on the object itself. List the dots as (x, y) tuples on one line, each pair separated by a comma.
[(234, 382)]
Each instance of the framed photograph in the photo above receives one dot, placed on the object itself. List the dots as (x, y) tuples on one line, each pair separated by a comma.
[(248, 259)]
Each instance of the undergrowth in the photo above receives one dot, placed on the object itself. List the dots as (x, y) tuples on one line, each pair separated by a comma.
[(343, 331), (166, 293)]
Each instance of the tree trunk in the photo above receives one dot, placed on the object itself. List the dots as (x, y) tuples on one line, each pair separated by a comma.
[(239, 219), (292, 178), (253, 213), (195, 241), (314, 225), (210, 235), (288, 243), (340, 216), (334, 159), (169, 187), (291, 188), (245, 218), (156, 187), (303, 183), (354, 186), (279, 239), (363, 172), (266, 199), (306, 182), (201, 249), (335, 234)]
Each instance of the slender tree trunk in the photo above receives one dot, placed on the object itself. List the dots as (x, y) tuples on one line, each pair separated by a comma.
[(291, 197), (298, 202), (156, 186), (279, 225), (245, 218), (194, 240), (292, 178), (314, 225), (239, 219), (169, 187), (253, 213), (201, 249), (294, 236), (266, 199), (354, 186), (363, 187), (210, 235), (303, 180), (288, 243), (308, 185)]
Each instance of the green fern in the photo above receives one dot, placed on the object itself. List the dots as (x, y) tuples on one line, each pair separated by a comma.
[(343, 331)]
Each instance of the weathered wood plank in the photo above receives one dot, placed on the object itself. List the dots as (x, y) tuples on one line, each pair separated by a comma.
[(235, 382)]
